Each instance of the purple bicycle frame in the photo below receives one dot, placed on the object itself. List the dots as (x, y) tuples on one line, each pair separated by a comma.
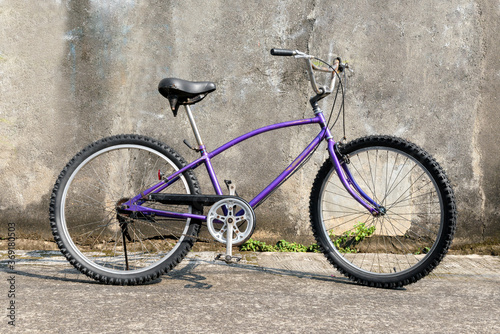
[(341, 168)]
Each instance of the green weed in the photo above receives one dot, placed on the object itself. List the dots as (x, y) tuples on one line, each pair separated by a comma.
[(347, 241), (281, 246)]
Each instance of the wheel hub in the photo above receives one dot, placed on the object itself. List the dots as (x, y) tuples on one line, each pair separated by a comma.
[(381, 211), (120, 208)]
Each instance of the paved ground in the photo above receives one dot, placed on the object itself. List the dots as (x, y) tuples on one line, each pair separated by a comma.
[(265, 293)]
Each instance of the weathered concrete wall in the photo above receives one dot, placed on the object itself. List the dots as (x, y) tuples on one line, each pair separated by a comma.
[(74, 71), (487, 124)]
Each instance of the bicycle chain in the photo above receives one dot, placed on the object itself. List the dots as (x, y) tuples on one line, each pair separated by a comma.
[(176, 234)]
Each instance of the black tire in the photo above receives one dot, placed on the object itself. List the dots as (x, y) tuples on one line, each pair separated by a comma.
[(406, 243), (87, 227)]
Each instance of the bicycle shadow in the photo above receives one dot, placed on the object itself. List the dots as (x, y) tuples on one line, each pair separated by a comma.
[(186, 273), (67, 276), (298, 274), (52, 277), (73, 275)]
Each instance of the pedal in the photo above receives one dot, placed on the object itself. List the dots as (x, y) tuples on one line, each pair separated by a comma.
[(229, 259)]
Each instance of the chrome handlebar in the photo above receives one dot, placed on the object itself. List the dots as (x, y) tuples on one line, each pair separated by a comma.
[(310, 67)]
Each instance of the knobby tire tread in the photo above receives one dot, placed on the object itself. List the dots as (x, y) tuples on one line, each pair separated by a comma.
[(169, 263), (449, 228)]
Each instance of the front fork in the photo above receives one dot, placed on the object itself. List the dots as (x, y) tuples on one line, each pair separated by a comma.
[(340, 163)]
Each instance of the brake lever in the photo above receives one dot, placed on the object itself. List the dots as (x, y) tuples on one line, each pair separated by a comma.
[(346, 66)]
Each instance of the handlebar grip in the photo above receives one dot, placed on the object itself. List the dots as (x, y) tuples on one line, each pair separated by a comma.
[(282, 52)]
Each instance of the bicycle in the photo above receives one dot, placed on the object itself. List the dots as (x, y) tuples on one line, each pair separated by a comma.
[(127, 208)]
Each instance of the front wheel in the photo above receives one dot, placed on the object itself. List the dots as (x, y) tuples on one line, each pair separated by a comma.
[(410, 239), (99, 239)]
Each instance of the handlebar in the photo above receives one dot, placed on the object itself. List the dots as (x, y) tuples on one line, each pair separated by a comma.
[(283, 52), (310, 67)]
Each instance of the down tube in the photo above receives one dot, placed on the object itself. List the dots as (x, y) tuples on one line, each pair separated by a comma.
[(276, 183)]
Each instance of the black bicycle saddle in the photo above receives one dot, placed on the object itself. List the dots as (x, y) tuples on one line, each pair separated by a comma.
[(181, 92)]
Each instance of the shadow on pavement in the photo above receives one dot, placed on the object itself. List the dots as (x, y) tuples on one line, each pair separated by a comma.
[(186, 273)]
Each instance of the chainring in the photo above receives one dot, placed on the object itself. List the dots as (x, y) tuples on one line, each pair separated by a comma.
[(236, 210)]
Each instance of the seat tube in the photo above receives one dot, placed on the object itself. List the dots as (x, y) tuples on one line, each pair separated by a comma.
[(203, 151), (211, 172), (193, 126)]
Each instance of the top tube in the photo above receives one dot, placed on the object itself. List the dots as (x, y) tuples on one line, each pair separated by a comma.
[(253, 133), (208, 155)]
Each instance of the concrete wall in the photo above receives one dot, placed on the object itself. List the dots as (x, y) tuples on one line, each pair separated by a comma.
[(74, 71)]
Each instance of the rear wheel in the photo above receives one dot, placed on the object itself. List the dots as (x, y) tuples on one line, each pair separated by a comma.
[(414, 234), (104, 242)]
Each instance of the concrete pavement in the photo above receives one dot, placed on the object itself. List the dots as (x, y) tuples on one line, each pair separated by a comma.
[(264, 293)]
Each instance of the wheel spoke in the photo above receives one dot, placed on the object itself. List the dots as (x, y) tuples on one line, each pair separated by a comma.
[(117, 247), (388, 248)]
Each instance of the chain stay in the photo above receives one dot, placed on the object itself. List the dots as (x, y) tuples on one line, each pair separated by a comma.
[(172, 230)]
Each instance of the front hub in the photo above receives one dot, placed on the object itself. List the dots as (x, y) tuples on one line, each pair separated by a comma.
[(381, 211)]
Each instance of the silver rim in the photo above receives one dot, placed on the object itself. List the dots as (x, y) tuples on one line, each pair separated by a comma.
[(398, 241), (110, 258)]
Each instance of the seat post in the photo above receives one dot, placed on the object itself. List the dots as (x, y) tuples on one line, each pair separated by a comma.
[(193, 125)]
